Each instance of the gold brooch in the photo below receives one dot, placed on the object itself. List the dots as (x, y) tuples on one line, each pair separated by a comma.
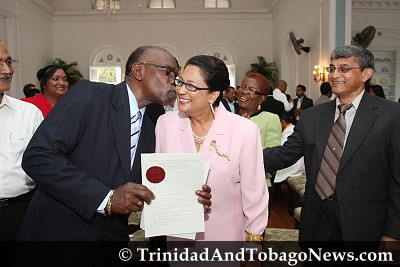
[(214, 144)]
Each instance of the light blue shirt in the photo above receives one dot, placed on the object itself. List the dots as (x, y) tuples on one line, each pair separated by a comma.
[(134, 108), (231, 105)]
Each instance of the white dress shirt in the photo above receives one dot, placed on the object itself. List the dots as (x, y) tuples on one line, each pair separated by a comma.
[(19, 120), (296, 169), (278, 95)]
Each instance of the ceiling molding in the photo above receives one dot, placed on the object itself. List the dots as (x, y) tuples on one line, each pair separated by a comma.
[(40, 7), (376, 5), (93, 15)]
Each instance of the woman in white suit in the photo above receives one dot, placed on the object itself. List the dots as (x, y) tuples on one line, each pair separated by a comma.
[(230, 143)]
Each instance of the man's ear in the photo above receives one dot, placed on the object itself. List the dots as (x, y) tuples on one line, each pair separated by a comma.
[(367, 73), (137, 71)]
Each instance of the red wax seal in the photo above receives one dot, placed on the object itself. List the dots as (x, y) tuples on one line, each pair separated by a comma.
[(155, 174)]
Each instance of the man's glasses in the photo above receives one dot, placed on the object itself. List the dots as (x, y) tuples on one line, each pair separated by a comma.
[(251, 90), (11, 63), (168, 70), (331, 69), (178, 82)]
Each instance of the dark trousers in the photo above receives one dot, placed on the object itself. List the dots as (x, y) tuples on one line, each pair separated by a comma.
[(11, 216), (12, 212), (327, 227)]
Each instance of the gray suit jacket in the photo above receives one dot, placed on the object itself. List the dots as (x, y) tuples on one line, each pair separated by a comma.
[(368, 180)]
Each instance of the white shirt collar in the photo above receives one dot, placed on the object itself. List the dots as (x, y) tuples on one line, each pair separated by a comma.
[(6, 102), (133, 105), (356, 101)]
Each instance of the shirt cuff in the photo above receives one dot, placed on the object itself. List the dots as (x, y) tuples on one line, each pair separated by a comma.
[(103, 204)]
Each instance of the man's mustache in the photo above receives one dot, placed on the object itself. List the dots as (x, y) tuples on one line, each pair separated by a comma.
[(5, 75)]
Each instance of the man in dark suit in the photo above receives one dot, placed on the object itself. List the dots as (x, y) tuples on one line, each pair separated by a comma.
[(89, 182), (365, 203), (229, 100), (300, 103), (272, 105)]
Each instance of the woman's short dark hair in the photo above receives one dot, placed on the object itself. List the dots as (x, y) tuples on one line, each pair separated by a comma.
[(44, 74), (215, 73), (378, 90)]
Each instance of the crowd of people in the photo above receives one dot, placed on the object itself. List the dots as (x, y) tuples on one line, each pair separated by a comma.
[(76, 175)]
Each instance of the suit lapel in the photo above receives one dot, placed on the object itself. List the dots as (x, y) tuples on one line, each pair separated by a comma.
[(217, 131), (218, 128), (121, 125), (363, 120), (186, 137)]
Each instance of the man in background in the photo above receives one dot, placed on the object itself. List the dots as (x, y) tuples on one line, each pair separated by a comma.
[(279, 94), (229, 100), (326, 94), (30, 90), (19, 120), (272, 105), (301, 103)]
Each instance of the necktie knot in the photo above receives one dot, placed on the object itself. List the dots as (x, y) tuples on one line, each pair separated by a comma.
[(344, 107)]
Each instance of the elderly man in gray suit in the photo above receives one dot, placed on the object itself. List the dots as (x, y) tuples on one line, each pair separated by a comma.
[(351, 148)]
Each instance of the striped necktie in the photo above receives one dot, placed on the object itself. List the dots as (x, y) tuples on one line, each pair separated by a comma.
[(326, 179), (135, 131)]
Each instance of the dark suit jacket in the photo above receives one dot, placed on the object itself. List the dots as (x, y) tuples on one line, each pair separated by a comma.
[(368, 180), (272, 105), (226, 105), (77, 155), (306, 103)]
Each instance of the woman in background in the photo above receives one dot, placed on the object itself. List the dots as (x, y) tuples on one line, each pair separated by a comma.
[(53, 85), (251, 93), (376, 90), (230, 143)]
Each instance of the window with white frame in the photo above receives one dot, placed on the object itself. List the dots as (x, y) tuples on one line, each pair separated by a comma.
[(223, 54), (107, 67), (217, 4), (161, 4)]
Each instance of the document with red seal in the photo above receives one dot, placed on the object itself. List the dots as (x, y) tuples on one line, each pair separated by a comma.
[(173, 178)]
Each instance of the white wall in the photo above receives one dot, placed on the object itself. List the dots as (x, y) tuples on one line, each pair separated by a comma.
[(247, 34), (301, 17), (387, 24)]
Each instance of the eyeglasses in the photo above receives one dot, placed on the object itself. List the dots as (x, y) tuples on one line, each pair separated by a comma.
[(251, 90), (11, 63), (331, 69), (168, 70), (178, 82)]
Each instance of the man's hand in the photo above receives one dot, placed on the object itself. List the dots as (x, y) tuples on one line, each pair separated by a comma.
[(392, 245), (130, 197), (205, 197)]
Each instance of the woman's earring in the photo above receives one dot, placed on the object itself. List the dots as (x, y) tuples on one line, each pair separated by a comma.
[(259, 107), (212, 110)]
